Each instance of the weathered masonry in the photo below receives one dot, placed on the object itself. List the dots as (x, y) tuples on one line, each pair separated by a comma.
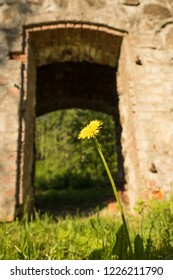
[(51, 51)]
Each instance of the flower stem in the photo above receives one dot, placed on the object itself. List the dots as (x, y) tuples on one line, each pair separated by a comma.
[(115, 192)]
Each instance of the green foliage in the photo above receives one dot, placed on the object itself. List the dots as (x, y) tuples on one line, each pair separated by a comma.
[(160, 216), (139, 248), (63, 161), (79, 238), (121, 244)]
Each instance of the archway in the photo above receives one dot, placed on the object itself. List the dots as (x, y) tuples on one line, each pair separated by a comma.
[(69, 176), (70, 65)]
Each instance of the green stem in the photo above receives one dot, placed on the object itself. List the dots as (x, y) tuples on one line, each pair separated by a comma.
[(115, 192)]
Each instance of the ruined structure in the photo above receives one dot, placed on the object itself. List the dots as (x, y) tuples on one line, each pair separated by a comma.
[(48, 52)]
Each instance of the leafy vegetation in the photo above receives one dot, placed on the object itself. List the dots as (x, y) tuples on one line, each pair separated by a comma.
[(93, 237), (70, 176), (62, 161)]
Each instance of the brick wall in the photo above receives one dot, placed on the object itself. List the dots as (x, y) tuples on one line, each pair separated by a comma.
[(36, 32)]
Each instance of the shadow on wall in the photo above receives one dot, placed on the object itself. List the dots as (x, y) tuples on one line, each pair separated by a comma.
[(10, 26)]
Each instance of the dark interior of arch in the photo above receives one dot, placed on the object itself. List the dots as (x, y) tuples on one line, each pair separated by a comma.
[(83, 85)]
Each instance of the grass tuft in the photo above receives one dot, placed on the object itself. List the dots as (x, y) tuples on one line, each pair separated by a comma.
[(85, 238)]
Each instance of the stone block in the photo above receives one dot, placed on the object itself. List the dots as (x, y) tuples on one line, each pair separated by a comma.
[(9, 17), (9, 2), (7, 205), (2, 129), (169, 38), (97, 4), (156, 10), (131, 2), (3, 79), (35, 2)]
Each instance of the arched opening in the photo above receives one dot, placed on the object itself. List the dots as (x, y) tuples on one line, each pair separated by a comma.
[(70, 66), (69, 176)]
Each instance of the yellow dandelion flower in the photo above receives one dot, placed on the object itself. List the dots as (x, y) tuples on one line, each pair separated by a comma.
[(91, 130)]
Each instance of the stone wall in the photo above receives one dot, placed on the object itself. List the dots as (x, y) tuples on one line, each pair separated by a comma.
[(145, 83)]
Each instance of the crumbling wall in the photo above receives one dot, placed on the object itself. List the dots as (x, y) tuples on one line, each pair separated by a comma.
[(145, 87)]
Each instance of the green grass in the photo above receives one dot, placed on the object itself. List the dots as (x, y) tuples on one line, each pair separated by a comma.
[(92, 237)]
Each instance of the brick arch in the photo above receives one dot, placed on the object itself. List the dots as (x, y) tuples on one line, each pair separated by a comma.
[(74, 41), (88, 52), (74, 52)]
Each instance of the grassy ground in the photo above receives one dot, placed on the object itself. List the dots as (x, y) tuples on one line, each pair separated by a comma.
[(70, 201), (87, 237)]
